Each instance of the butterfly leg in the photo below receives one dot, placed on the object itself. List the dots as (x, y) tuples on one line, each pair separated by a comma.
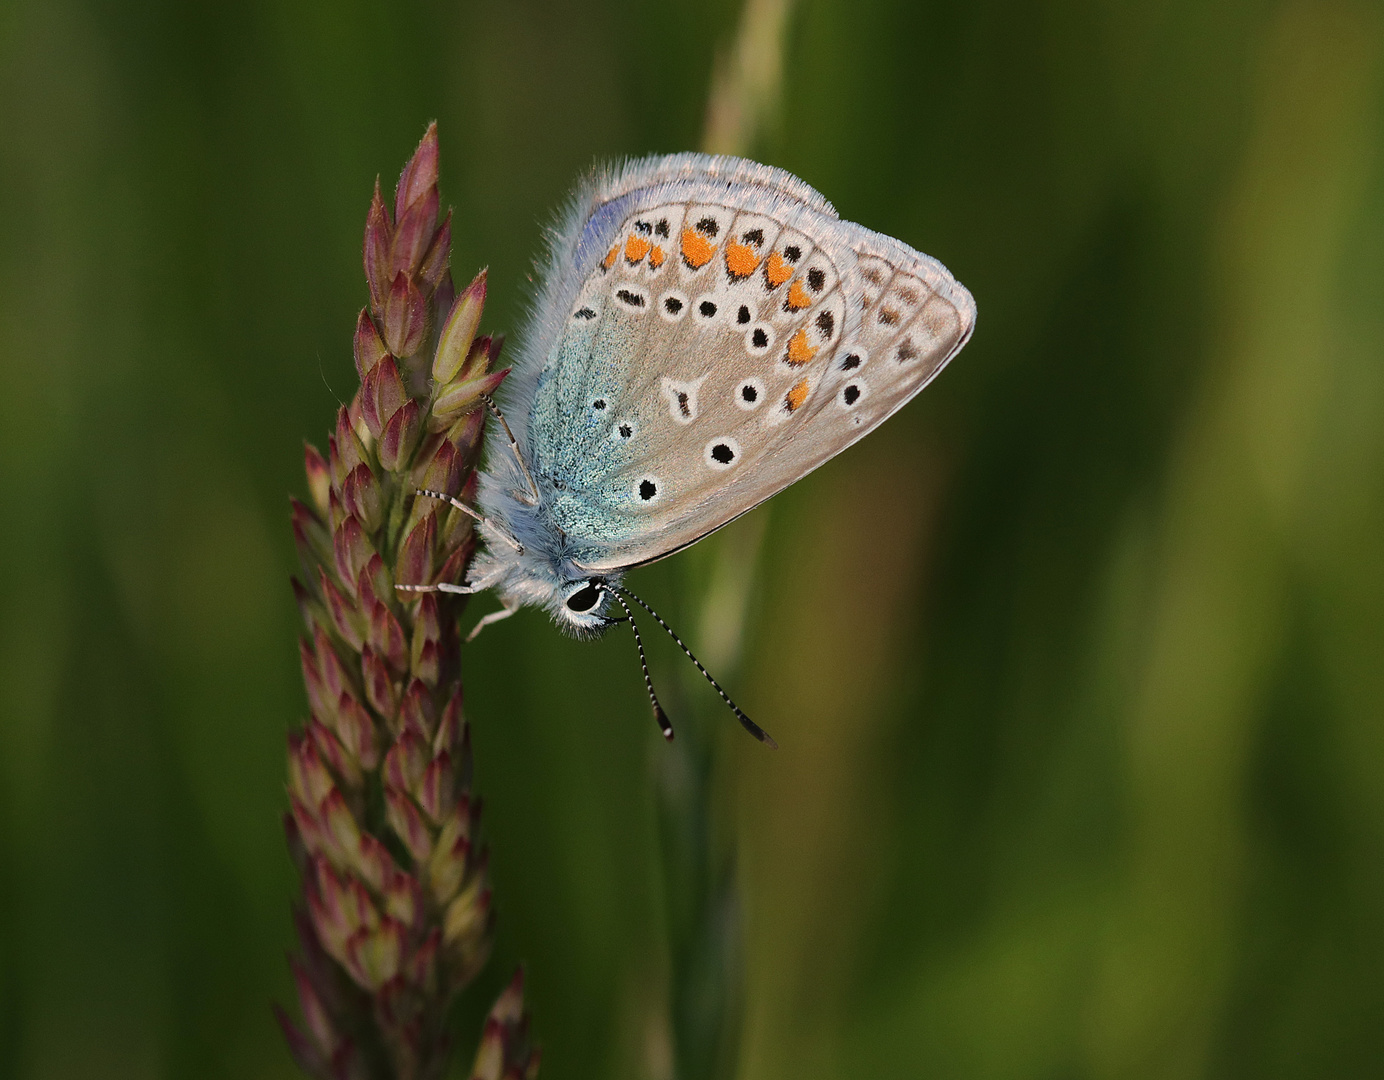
[(475, 515), (442, 586), (513, 444), (490, 620)]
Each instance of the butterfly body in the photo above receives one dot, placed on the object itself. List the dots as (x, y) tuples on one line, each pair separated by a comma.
[(707, 331)]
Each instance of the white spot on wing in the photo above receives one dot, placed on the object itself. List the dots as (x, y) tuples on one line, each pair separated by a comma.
[(631, 297), (750, 394), (707, 309), (647, 490), (586, 311), (672, 305), (721, 453), (852, 358), (852, 393), (682, 398), (757, 333)]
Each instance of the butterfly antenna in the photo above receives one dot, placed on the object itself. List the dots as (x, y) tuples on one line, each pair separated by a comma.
[(745, 722), (659, 715)]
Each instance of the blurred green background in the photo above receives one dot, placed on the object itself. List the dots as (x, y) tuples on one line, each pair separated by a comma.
[(1077, 664)]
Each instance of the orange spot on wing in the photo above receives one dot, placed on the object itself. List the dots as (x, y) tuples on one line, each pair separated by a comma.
[(636, 247), (797, 296), (741, 259), (776, 272), (794, 398), (799, 351), (656, 257), (696, 249), (611, 256)]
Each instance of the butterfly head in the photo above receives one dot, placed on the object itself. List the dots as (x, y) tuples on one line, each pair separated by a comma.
[(537, 576)]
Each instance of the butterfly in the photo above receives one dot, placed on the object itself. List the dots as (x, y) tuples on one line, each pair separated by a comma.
[(707, 331)]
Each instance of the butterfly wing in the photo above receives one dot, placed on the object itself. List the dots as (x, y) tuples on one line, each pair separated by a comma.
[(709, 332)]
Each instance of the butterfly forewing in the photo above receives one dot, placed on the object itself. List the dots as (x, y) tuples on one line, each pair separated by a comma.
[(729, 334)]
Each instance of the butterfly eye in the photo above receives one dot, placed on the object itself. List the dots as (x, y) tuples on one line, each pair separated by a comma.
[(585, 598)]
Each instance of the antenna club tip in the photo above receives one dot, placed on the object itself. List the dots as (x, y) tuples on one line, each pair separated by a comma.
[(664, 725), (768, 741)]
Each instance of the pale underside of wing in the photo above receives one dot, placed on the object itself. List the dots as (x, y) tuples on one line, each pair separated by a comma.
[(725, 341)]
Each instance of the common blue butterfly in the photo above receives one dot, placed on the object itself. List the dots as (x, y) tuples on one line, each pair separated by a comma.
[(706, 332)]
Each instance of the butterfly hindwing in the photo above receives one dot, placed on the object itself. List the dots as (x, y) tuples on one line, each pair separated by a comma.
[(711, 332)]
